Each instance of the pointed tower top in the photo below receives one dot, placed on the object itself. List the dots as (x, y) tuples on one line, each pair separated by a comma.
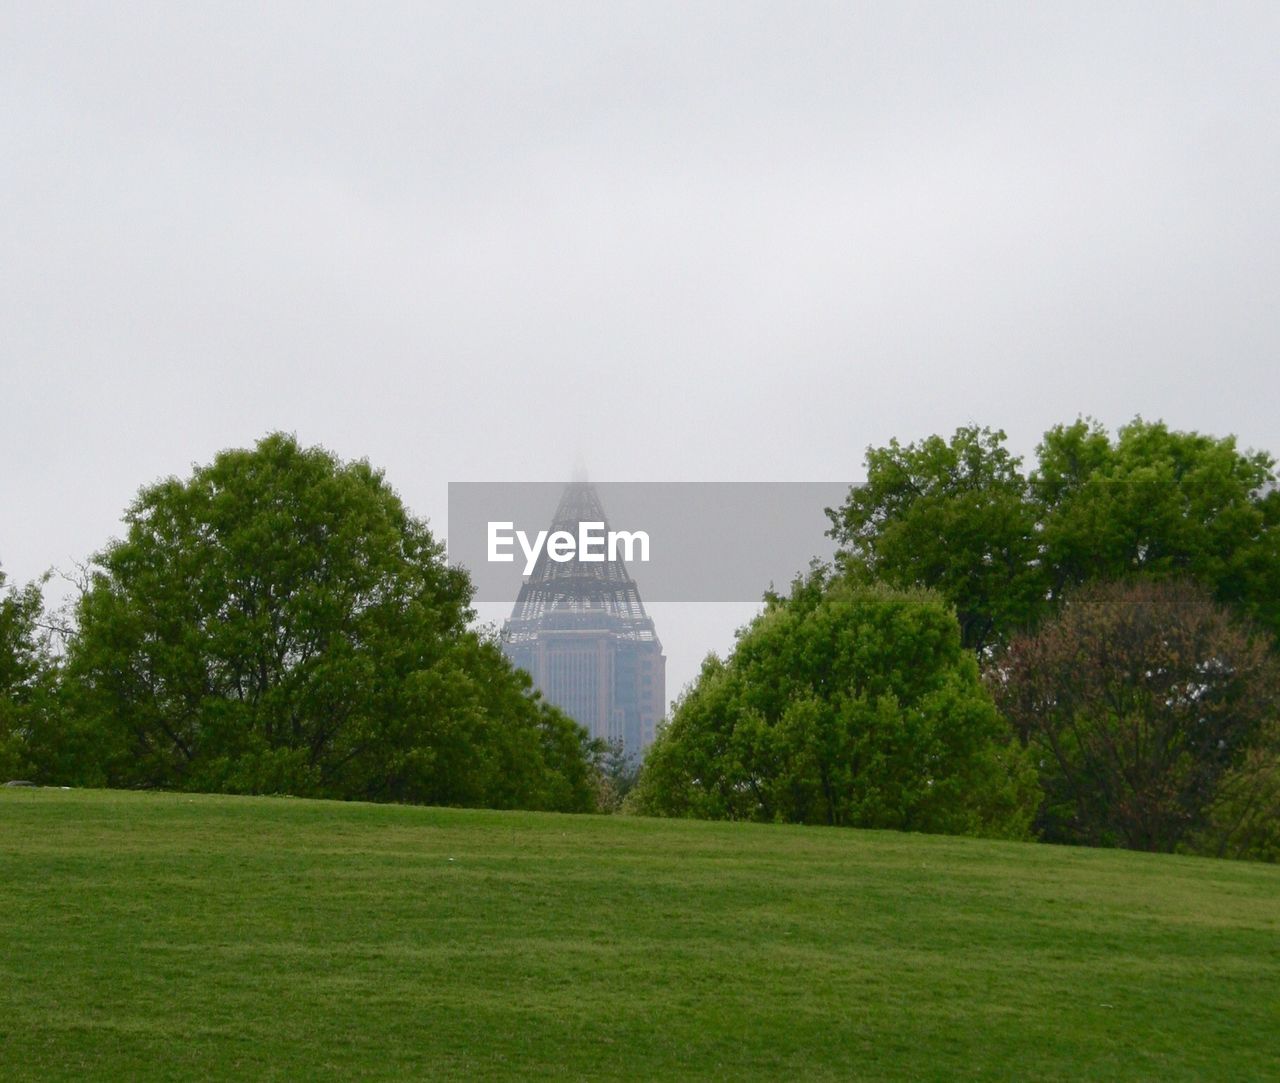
[(599, 592)]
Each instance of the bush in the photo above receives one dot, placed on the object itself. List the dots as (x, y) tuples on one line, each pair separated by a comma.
[(848, 705)]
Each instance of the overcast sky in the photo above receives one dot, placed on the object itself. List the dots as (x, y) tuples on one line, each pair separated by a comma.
[(674, 241)]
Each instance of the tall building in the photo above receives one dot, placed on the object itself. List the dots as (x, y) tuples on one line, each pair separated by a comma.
[(581, 631)]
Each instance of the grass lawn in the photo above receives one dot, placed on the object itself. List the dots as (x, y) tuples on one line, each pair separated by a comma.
[(178, 936)]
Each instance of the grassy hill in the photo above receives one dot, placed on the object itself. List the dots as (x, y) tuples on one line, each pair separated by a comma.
[(165, 936)]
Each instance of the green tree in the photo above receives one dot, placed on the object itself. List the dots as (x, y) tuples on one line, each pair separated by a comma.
[(951, 515), (960, 517), (843, 704), (25, 678), (1158, 504), (618, 773), (1244, 819), (278, 622), (1139, 700)]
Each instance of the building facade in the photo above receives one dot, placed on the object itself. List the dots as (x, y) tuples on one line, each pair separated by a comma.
[(581, 631)]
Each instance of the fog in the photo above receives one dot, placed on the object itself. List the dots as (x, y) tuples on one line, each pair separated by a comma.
[(672, 241)]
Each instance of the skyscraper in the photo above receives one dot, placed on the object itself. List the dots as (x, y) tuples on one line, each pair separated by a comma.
[(581, 631)]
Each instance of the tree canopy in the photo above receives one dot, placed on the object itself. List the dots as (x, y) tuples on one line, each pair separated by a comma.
[(953, 516), (26, 690), (1159, 504), (278, 622), (843, 704), (961, 516), (1139, 700)]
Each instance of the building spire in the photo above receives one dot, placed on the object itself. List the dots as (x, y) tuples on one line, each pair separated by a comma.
[(577, 586), (581, 631)]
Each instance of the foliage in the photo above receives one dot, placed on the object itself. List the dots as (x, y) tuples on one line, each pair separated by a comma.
[(27, 679), (1244, 819), (1139, 699), (849, 705), (952, 516), (959, 516), (1159, 504), (617, 773), (279, 623)]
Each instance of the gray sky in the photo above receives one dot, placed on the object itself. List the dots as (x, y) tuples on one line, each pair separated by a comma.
[(676, 241)]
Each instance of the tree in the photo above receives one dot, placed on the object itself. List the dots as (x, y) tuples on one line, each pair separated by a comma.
[(25, 677), (960, 517), (1244, 820), (1158, 504), (280, 623), (953, 516), (849, 705), (1138, 700), (617, 773)]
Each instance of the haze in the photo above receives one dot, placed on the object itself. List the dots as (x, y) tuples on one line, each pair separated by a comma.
[(673, 241)]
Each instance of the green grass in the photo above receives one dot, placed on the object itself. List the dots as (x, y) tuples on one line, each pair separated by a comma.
[(176, 936)]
